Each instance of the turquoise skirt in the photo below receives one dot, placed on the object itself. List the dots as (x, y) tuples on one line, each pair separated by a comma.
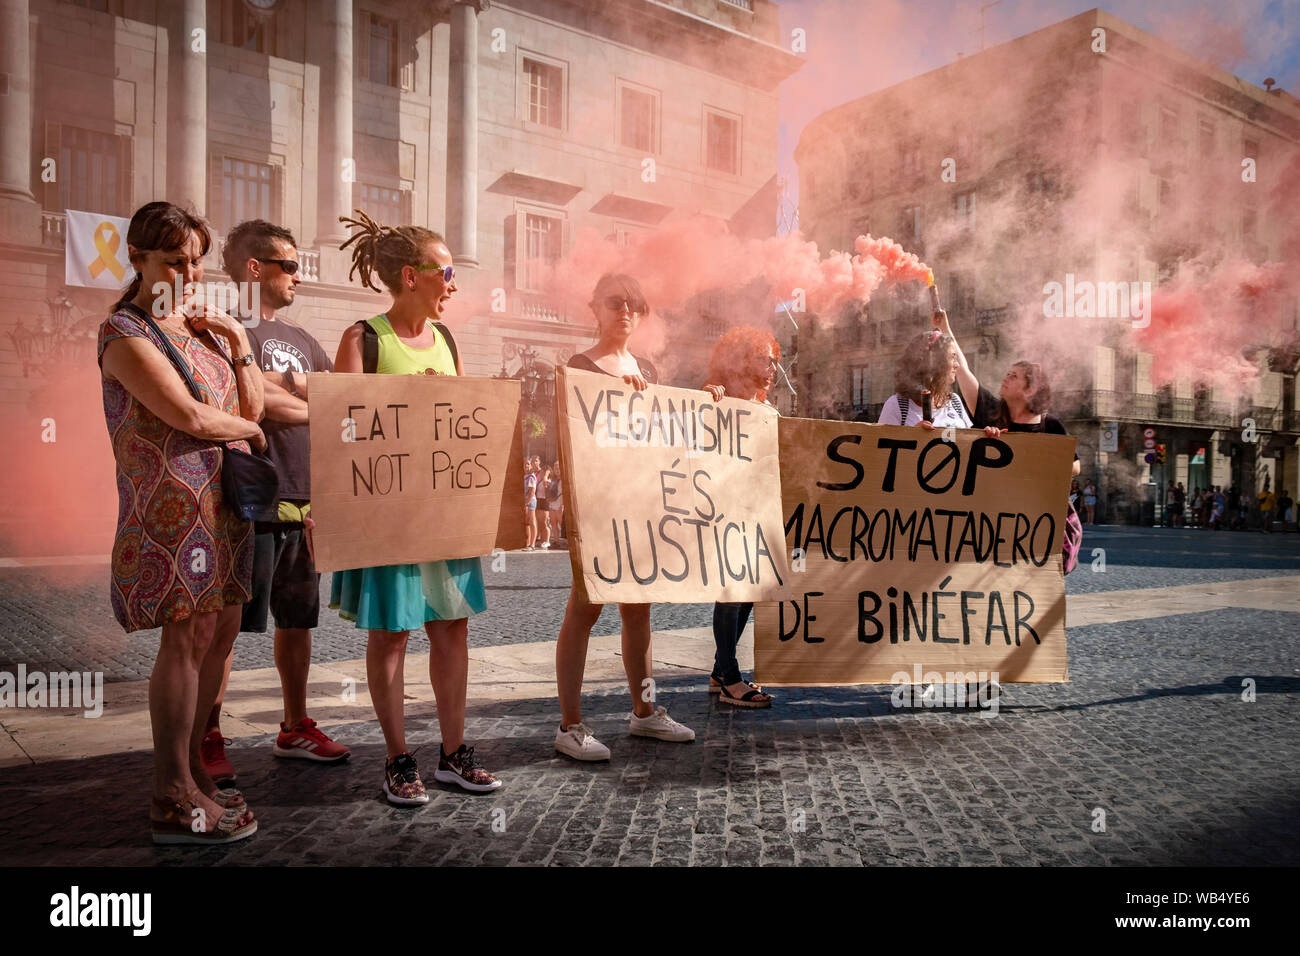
[(402, 597)]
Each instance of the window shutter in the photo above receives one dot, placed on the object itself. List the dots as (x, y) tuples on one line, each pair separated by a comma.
[(126, 175), (513, 258), (361, 45), (406, 56), (216, 200)]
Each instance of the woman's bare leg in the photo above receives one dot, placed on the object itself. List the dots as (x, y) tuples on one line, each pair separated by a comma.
[(385, 657), (449, 675), (637, 657), (571, 656)]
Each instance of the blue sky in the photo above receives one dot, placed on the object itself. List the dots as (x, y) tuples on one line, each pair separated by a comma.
[(856, 47)]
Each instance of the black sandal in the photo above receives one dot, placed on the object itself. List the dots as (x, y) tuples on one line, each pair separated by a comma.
[(749, 699)]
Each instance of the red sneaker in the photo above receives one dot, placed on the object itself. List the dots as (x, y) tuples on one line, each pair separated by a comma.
[(306, 741), (212, 754)]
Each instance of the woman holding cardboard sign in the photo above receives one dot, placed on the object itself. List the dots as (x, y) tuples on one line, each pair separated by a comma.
[(618, 304), (743, 365), (415, 265)]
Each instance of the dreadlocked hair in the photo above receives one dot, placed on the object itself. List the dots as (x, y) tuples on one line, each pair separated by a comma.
[(384, 250)]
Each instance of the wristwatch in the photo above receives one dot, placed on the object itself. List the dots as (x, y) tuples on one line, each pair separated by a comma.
[(243, 359)]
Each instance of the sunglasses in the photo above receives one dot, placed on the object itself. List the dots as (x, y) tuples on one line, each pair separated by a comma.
[(447, 271), (290, 266), (615, 303)]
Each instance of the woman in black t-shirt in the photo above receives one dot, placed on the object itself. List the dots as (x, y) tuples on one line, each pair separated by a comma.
[(618, 304), (1022, 403)]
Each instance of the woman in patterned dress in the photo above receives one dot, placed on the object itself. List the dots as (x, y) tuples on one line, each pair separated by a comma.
[(389, 602), (182, 559)]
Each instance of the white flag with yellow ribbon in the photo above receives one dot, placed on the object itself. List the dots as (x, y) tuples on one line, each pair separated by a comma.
[(96, 251)]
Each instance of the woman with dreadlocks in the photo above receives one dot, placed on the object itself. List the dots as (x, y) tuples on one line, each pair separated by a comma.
[(414, 264)]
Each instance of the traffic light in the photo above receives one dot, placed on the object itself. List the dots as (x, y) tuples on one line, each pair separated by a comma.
[(1160, 454)]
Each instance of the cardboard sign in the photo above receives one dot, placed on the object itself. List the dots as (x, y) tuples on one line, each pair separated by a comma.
[(919, 554), (671, 496), (411, 468)]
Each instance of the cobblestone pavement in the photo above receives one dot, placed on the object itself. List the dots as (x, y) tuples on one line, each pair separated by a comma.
[(60, 619), (1153, 732)]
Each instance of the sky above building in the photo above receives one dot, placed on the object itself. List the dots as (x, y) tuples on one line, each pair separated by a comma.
[(856, 47)]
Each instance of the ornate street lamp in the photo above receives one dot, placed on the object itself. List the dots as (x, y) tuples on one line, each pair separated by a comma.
[(55, 343)]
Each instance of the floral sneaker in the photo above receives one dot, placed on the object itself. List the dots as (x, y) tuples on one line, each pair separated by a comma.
[(461, 768), (402, 783)]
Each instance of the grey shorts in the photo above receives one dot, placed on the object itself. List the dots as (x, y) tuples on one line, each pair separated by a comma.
[(285, 582)]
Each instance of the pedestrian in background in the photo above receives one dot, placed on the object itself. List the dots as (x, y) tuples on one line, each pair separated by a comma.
[(555, 495), (1266, 504), (530, 505), (1090, 501), (543, 506)]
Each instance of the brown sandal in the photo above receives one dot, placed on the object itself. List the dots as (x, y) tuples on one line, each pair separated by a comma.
[(177, 827), (229, 799)]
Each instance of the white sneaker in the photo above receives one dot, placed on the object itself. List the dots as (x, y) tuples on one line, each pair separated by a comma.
[(546, 545), (578, 743), (660, 725)]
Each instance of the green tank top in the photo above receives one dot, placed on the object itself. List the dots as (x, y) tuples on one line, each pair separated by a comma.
[(398, 358)]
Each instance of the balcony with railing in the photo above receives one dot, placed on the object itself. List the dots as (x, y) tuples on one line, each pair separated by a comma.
[(53, 229), (537, 308)]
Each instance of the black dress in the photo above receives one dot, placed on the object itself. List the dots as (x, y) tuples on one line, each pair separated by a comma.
[(648, 371)]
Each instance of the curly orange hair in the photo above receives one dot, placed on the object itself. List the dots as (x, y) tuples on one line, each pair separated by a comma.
[(739, 357)]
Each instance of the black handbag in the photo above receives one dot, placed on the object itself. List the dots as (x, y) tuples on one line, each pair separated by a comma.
[(249, 480)]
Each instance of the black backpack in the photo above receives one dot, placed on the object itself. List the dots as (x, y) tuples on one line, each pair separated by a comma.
[(370, 346)]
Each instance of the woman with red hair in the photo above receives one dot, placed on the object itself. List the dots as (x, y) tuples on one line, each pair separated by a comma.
[(743, 365)]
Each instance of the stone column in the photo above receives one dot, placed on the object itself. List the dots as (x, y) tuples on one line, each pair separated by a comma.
[(187, 106), (337, 169), (19, 211), (462, 132)]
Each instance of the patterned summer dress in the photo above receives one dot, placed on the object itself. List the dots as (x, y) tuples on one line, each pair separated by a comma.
[(402, 597), (178, 550)]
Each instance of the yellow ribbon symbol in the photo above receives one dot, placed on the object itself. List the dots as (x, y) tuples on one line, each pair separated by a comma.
[(107, 239)]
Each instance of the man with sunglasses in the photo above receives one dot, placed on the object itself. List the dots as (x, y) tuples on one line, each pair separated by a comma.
[(285, 582)]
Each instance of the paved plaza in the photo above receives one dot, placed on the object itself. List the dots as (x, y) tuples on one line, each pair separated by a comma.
[(1174, 743)]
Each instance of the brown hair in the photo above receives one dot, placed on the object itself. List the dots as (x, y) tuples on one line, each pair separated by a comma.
[(1037, 403), (617, 282), (736, 353), (384, 249), (253, 239), (161, 225), (925, 364)]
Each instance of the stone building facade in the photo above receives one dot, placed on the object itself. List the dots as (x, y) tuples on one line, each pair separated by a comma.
[(507, 125), (1108, 164)]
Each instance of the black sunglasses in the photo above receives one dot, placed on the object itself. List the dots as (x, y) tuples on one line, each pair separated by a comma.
[(290, 266), (615, 303)]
